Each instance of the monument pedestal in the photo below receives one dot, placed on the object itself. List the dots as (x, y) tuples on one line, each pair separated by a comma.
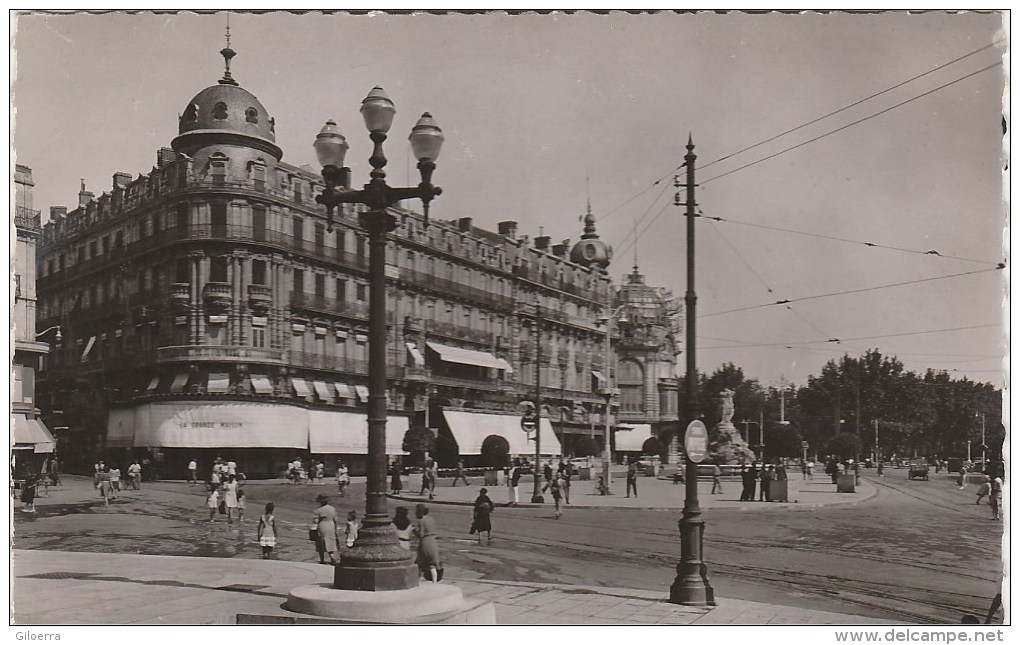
[(429, 603)]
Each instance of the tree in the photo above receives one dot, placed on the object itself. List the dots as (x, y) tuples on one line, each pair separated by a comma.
[(495, 450), (418, 440), (845, 445), (782, 441), (652, 446)]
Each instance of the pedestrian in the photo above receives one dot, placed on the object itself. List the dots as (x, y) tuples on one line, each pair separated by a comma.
[(480, 520), (962, 480), (881, 468), (565, 483), (428, 478), (768, 476), (459, 473), (343, 478), (753, 478), (114, 482), (320, 473), (810, 470), (995, 496), (267, 532), (513, 482), (324, 523), (745, 473), (632, 478), (556, 488), (232, 468), (135, 473), (983, 491), (396, 484), (547, 473), (781, 473), (214, 476), (716, 479), (28, 490), (213, 501), (105, 488), (403, 526), (428, 548), (230, 497), (857, 472), (240, 503), (351, 528), (193, 472)]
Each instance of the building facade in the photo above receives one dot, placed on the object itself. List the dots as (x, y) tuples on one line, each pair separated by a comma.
[(32, 442), (207, 310)]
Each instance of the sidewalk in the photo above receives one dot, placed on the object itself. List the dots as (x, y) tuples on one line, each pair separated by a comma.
[(64, 588), (653, 493)]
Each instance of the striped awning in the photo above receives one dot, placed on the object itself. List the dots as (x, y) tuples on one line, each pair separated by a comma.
[(344, 391), (180, 380), (153, 384), (218, 383), (300, 387), (322, 390), (262, 384), (449, 354), (362, 393)]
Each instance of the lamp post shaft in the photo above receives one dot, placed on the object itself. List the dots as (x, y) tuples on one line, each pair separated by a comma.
[(607, 451), (536, 494), (691, 586)]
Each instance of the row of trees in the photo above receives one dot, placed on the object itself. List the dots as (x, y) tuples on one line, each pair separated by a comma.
[(838, 411)]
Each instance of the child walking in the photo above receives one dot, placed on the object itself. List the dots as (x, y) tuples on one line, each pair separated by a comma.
[(267, 532), (352, 528), (213, 502), (240, 504)]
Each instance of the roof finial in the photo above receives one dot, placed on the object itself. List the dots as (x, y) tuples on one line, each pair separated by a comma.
[(227, 54), (635, 248), (589, 219)]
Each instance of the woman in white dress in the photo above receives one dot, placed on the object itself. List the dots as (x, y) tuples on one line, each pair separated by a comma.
[(230, 497)]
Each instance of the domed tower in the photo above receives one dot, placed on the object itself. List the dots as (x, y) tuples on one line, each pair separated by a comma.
[(226, 130), (590, 250)]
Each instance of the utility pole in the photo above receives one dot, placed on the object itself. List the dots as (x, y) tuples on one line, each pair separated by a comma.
[(877, 454), (536, 494), (691, 586), (761, 435)]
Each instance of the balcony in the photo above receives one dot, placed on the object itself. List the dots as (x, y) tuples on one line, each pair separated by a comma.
[(458, 332), (218, 353), (313, 361), (456, 288), (27, 219), (180, 295), (322, 304), (260, 298), (218, 295)]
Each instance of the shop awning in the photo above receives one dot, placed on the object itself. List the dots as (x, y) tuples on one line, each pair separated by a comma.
[(634, 439), (300, 387), (344, 391), (31, 434), (218, 383), (322, 390), (463, 356), (180, 380), (600, 378), (88, 348), (416, 356), (346, 433), (470, 429), (153, 384), (362, 393), (262, 384), (205, 424)]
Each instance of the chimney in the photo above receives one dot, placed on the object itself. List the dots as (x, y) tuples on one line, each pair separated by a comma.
[(542, 242), (85, 197), (165, 156), (560, 250), (57, 213), (121, 179), (464, 225), (508, 228)]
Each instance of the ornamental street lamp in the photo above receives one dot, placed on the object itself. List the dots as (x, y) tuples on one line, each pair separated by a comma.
[(376, 562), (607, 391)]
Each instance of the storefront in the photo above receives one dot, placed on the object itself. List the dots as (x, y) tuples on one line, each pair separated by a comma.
[(33, 443), (465, 433)]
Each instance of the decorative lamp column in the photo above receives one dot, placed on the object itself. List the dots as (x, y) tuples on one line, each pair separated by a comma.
[(376, 562)]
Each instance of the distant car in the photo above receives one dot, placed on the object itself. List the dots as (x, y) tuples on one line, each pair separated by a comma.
[(917, 469)]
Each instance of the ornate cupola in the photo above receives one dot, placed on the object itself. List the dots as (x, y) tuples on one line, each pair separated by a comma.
[(226, 113), (590, 250)]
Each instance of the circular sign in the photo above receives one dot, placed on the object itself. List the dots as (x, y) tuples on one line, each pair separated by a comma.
[(529, 421), (804, 445), (696, 441)]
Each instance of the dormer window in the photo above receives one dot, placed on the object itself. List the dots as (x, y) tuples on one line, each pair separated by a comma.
[(251, 115), (190, 114), (218, 167), (220, 110)]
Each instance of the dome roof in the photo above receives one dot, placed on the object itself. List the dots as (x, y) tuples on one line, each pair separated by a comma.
[(591, 251), (226, 113), (227, 107)]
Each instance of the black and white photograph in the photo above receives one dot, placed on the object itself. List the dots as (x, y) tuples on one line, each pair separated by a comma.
[(549, 318)]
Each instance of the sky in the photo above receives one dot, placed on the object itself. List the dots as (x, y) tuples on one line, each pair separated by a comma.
[(544, 112)]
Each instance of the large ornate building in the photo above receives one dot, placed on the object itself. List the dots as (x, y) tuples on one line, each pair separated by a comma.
[(32, 442), (207, 310)]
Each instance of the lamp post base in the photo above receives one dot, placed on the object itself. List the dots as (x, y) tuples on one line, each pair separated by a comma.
[(691, 586), (431, 603), (376, 563)]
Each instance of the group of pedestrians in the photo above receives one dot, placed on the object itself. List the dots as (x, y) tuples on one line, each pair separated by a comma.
[(107, 479), (226, 497), (760, 477)]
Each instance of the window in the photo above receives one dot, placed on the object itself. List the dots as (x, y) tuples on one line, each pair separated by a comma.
[(362, 249), (258, 175), (218, 167), (299, 190), (106, 244), (320, 285), (258, 336), (143, 281), (118, 240), (362, 293), (183, 272), (251, 115), (258, 223), (341, 240), (93, 249), (258, 272), (219, 220), (299, 281), (341, 290), (154, 283), (182, 217), (81, 254), (190, 114), (299, 231), (220, 110), (17, 285), (218, 269), (320, 238), (410, 260), (143, 227)]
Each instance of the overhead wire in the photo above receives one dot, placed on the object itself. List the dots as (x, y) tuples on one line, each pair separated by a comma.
[(790, 344)]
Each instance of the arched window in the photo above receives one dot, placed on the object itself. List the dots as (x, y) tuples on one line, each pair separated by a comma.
[(630, 380), (220, 110), (251, 115), (190, 114)]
